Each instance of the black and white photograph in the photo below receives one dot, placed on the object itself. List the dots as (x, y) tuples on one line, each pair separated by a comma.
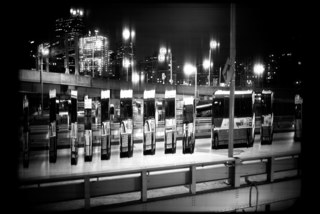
[(159, 106)]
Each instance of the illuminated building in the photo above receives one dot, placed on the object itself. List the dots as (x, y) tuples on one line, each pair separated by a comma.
[(64, 50), (93, 54)]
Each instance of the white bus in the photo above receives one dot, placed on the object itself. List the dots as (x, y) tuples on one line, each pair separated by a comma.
[(244, 118)]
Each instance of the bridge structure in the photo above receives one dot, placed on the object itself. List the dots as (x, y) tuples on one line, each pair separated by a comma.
[(30, 82)]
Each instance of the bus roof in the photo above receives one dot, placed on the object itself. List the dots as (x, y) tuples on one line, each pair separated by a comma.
[(227, 92)]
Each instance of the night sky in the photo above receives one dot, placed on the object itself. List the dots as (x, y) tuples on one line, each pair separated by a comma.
[(185, 27)]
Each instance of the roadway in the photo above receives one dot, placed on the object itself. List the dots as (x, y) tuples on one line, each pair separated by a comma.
[(39, 165)]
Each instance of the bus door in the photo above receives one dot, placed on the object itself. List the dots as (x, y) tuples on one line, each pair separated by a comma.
[(266, 130), (105, 125), (126, 123), (53, 127), (25, 140), (188, 140), (74, 127), (87, 129), (149, 122), (170, 131), (298, 117)]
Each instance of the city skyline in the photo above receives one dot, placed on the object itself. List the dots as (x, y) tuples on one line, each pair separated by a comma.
[(185, 27)]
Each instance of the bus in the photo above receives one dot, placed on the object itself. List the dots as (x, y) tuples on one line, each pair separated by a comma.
[(244, 118), (266, 107)]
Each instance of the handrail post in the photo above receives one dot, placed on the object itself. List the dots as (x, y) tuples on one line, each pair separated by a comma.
[(193, 177), (234, 173), (270, 169), (144, 186), (87, 193)]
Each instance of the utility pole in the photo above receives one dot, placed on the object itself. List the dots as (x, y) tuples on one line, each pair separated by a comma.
[(232, 83)]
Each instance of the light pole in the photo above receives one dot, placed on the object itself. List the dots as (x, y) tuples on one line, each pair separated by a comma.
[(213, 45), (42, 52), (129, 35), (258, 69), (166, 55)]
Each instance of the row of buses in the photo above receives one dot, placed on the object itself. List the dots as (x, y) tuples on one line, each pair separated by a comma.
[(244, 123)]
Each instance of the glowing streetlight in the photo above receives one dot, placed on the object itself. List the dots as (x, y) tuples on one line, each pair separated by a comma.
[(206, 64), (213, 45), (126, 34), (189, 69), (258, 69), (166, 54), (43, 52)]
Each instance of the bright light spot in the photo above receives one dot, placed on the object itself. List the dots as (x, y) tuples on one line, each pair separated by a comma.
[(126, 63), (133, 33), (81, 13), (206, 64), (161, 58), (99, 44), (126, 34), (169, 50), (31, 42), (299, 63), (45, 51), (163, 50), (258, 69), (189, 69), (213, 44)]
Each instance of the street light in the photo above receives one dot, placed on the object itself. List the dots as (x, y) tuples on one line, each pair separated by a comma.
[(43, 52), (126, 35), (258, 69), (126, 64), (213, 45), (166, 54)]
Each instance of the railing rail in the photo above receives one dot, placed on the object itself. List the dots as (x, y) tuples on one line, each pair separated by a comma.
[(48, 189)]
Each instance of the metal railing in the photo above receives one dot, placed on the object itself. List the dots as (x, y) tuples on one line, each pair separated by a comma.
[(86, 186)]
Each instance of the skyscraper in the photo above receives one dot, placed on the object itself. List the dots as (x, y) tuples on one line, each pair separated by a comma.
[(93, 54), (64, 50)]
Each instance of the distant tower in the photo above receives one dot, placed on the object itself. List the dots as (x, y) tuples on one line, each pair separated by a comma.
[(67, 33)]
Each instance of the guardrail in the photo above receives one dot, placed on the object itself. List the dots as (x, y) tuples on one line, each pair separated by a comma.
[(86, 186)]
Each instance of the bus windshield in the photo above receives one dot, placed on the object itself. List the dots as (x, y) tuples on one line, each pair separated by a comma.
[(125, 109), (242, 107)]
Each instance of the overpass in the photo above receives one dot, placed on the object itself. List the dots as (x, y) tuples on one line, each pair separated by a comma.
[(30, 83)]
